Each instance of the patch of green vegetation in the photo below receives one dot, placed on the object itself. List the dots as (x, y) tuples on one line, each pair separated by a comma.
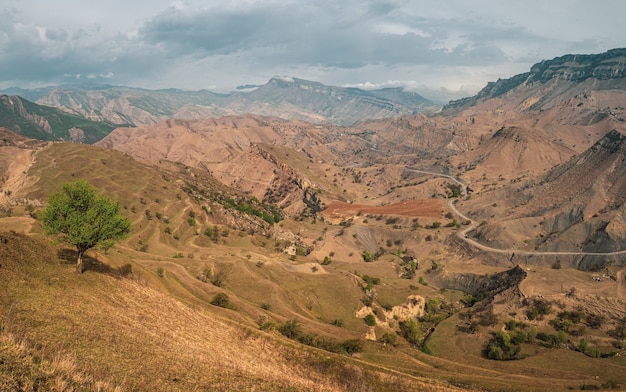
[(254, 207), (292, 329), (59, 122), (223, 301)]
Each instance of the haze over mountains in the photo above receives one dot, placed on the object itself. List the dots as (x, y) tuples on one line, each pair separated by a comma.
[(284, 97), (438, 242)]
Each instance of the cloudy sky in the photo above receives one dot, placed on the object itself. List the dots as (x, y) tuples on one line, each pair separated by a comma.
[(443, 49)]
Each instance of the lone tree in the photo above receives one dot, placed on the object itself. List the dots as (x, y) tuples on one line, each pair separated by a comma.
[(85, 219)]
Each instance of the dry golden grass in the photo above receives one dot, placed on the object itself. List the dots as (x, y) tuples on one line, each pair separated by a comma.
[(128, 335)]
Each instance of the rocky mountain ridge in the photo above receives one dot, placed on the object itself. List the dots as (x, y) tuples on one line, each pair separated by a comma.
[(285, 97), (46, 123), (556, 82)]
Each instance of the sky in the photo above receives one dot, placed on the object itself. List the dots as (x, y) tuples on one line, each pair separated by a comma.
[(440, 49)]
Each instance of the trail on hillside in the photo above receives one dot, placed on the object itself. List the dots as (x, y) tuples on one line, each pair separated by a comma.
[(15, 175), (462, 234)]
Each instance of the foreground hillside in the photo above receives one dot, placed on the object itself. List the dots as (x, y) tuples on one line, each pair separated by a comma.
[(349, 278), (108, 330)]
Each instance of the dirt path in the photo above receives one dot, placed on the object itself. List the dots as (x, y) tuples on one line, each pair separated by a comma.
[(462, 234), (15, 175)]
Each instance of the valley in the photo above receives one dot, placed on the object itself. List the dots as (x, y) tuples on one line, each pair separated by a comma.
[(479, 248)]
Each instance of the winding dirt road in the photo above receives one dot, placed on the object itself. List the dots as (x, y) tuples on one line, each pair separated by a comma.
[(462, 234)]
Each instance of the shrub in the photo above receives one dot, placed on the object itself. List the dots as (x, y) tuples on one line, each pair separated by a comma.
[(218, 279), (337, 322), (267, 326), (367, 256), (370, 320), (222, 300), (291, 329), (160, 272), (392, 221), (125, 270), (426, 350), (370, 280), (389, 338), (352, 346), (502, 347), (411, 331)]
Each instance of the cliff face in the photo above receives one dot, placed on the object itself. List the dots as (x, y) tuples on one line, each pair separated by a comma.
[(578, 68), (550, 79)]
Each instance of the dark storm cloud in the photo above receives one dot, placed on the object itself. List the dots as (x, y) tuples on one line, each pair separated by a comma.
[(312, 35), (198, 44)]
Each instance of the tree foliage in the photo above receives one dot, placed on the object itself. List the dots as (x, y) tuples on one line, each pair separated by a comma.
[(84, 218)]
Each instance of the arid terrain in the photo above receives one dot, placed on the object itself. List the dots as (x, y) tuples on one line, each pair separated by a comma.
[(479, 248)]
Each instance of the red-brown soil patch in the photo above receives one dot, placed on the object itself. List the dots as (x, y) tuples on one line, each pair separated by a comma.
[(432, 208)]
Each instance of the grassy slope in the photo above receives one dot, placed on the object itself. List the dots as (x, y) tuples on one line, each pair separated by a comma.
[(98, 331), (59, 121), (124, 332), (152, 333)]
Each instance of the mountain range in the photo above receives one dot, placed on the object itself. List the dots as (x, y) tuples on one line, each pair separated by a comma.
[(284, 97), (480, 247)]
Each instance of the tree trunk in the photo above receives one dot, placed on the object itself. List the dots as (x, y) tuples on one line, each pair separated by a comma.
[(79, 263)]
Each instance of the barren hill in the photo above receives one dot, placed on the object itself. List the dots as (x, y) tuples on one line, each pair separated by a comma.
[(379, 290), (576, 206)]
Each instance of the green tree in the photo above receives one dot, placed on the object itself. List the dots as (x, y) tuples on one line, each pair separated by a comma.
[(411, 331), (83, 218)]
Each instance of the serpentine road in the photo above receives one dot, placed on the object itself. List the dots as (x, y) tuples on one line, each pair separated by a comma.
[(462, 233)]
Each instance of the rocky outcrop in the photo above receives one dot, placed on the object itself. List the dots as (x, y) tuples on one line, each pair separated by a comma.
[(550, 78), (285, 178), (483, 285)]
